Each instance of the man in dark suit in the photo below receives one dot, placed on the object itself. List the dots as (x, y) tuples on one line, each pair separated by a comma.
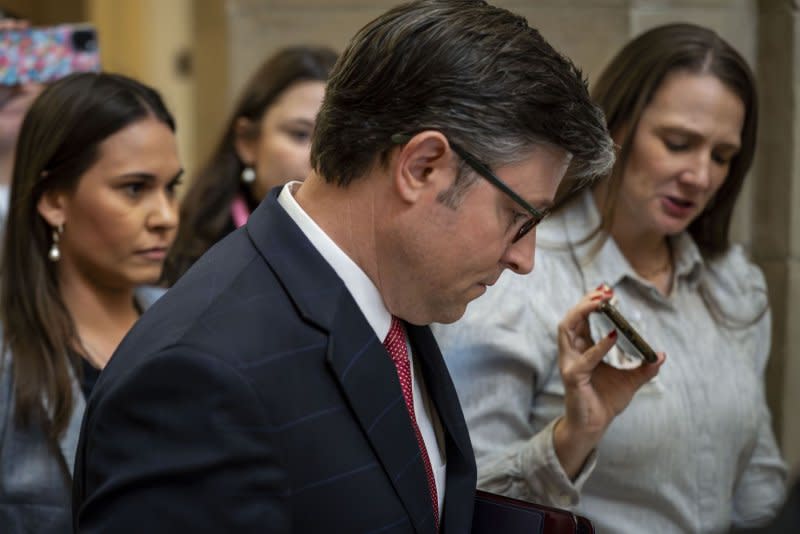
[(289, 383)]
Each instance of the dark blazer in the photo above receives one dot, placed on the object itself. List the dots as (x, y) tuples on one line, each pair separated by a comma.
[(255, 397)]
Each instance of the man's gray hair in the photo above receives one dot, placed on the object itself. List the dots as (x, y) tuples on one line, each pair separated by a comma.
[(473, 71)]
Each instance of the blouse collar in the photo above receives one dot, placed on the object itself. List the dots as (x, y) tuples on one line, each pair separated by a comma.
[(609, 265)]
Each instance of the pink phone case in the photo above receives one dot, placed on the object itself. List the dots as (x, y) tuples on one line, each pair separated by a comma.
[(47, 54)]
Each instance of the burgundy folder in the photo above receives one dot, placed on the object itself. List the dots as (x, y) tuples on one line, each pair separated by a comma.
[(495, 514)]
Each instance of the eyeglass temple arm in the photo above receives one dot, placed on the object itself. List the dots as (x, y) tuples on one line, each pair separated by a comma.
[(483, 170)]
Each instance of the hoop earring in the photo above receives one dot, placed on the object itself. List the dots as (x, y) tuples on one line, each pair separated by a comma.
[(54, 254), (248, 175)]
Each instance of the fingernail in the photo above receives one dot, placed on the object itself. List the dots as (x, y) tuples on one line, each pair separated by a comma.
[(601, 286), (598, 297), (613, 334)]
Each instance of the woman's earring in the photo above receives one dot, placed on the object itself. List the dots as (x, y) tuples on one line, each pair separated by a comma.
[(248, 175), (54, 254)]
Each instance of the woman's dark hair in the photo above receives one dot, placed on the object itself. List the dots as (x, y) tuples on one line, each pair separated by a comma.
[(628, 84), (59, 141), (205, 210)]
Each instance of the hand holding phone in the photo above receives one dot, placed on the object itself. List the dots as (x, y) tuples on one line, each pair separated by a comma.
[(628, 339), (596, 390)]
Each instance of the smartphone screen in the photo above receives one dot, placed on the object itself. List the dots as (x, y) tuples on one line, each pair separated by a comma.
[(628, 339), (46, 54)]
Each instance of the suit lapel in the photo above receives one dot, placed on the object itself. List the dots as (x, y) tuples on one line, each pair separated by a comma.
[(461, 470), (358, 360), (440, 387), (369, 381)]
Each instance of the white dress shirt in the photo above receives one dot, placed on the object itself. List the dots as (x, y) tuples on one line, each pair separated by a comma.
[(369, 301)]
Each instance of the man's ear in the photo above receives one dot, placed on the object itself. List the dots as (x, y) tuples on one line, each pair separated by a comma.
[(245, 140), (52, 207), (424, 164)]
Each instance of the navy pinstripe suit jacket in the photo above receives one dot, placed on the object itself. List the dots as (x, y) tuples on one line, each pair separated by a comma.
[(255, 397)]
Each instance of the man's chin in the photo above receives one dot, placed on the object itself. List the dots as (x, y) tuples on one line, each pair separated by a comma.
[(442, 313), (451, 315)]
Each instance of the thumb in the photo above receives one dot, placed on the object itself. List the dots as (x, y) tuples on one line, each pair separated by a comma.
[(645, 372)]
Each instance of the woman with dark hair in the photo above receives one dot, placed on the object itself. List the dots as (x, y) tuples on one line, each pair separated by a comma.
[(694, 451), (266, 143), (93, 211)]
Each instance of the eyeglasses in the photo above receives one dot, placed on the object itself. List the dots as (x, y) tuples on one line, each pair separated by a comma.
[(482, 169)]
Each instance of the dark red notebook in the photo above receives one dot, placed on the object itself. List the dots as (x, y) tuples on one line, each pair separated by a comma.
[(495, 514)]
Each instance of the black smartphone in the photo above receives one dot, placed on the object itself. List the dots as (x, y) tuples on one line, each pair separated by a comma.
[(628, 339), (46, 54)]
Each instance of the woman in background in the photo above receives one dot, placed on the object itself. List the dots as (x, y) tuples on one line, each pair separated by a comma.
[(93, 211), (694, 451), (267, 142)]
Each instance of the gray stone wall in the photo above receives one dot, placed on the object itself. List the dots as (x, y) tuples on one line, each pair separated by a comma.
[(776, 199)]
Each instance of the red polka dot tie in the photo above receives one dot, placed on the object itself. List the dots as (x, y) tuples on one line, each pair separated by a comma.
[(395, 344)]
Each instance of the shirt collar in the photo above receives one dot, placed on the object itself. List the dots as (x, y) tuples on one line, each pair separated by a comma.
[(608, 264), (688, 260), (364, 292)]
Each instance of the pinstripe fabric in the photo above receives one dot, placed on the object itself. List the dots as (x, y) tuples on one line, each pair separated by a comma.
[(256, 398)]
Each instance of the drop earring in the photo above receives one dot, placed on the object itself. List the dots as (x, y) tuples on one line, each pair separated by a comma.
[(54, 254), (248, 175)]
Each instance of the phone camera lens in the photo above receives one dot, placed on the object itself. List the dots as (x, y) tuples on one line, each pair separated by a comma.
[(84, 41)]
